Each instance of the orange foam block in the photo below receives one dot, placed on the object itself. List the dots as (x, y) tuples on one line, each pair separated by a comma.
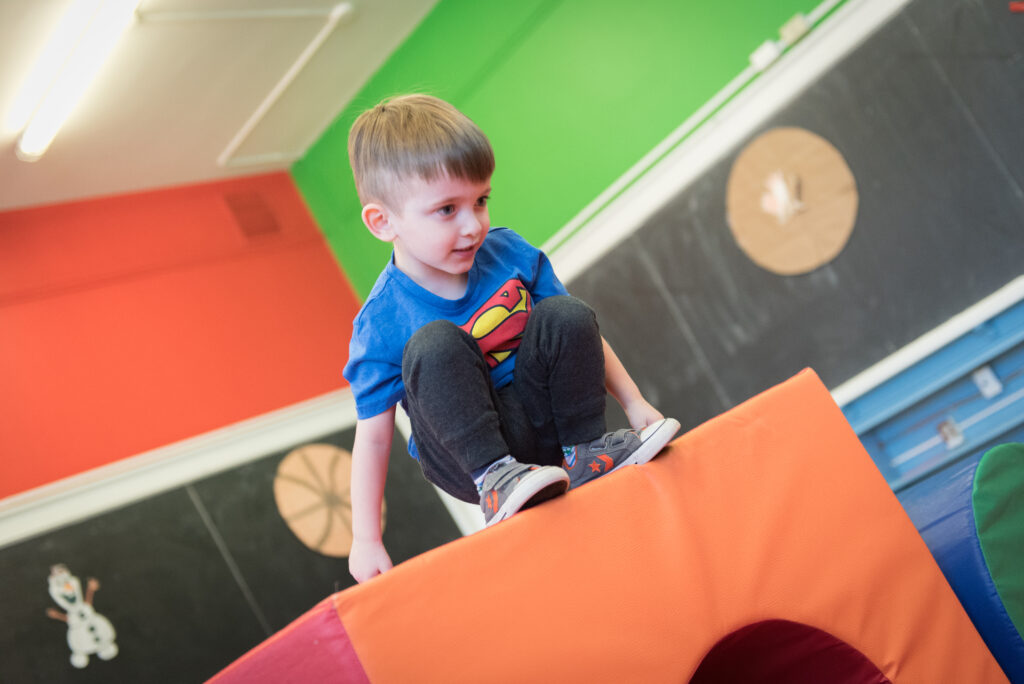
[(772, 511)]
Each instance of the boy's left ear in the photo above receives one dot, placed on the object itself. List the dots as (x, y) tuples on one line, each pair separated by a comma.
[(375, 216)]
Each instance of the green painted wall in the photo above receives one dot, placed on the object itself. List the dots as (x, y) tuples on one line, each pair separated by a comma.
[(571, 93)]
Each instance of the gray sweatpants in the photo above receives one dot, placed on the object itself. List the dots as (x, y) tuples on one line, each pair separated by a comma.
[(461, 422)]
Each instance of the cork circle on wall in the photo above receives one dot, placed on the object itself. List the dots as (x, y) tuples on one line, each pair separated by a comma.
[(312, 489), (791, 201)]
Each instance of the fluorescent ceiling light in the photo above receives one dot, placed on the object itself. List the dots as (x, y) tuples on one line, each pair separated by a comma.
[(95, 44), (54, 55)]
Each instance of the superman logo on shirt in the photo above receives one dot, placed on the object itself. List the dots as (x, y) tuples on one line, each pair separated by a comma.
[(498, 325)]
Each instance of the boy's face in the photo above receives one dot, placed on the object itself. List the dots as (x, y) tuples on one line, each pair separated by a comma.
[(436, 229)]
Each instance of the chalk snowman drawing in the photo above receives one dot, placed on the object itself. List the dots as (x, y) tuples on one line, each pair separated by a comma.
[(88, 632)]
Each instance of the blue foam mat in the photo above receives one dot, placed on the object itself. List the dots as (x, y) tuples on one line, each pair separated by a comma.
[(940, 507)]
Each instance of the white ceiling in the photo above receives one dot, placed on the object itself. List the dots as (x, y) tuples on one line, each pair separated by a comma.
[(183, 82)]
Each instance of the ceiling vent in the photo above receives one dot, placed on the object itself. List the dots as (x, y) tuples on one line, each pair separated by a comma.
[(252, 214)]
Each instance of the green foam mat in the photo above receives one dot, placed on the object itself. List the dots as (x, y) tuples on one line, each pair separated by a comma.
[(998, 501)]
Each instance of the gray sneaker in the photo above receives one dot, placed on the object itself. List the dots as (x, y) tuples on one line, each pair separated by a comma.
[(511, 487), (606, 454)]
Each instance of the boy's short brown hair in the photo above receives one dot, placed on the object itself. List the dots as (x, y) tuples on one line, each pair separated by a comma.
[(414, 135)]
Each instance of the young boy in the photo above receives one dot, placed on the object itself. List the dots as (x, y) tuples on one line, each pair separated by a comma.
[(502, 373)]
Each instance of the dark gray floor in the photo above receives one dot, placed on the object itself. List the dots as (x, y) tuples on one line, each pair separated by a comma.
[(193, 578)]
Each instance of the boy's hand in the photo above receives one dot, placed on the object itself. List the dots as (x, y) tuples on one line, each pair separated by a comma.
[(641, 414), (367, 559)]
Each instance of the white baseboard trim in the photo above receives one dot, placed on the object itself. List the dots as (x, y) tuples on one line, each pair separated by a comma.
[(650, 184), (929, 343), (133, 479)]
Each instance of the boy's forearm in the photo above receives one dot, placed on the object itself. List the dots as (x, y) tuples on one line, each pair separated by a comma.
[(616, 379), (621, 386), (370, 455)]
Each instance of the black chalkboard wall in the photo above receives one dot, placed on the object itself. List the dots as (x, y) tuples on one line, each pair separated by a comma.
[(194, 577), (929, 114)]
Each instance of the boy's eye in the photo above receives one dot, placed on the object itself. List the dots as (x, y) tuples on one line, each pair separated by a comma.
[(482, 202), (446, 210)]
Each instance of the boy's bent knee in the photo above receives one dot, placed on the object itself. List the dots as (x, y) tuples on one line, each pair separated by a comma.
[(437, 340), (566, 310)]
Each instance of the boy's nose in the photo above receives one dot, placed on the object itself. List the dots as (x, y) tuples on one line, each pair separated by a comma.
[(472, 225)]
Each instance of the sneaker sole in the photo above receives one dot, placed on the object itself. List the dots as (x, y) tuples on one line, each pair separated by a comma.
[(534, 489), (653, 439)]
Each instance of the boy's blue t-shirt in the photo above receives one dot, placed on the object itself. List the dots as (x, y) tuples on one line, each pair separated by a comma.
[(508, 276)]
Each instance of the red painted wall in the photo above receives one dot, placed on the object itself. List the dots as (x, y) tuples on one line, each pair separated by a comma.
[(131, 322)]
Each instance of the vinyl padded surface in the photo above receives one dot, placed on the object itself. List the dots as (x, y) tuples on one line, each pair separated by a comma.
[(772, 510)]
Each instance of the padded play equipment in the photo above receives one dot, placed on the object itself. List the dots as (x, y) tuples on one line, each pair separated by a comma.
[(971, 515), (764, 536)]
